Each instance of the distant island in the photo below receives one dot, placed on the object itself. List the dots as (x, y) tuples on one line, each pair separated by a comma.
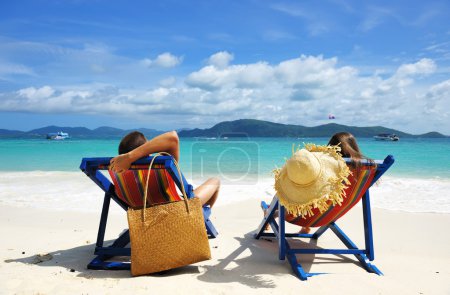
[(248, 127), (76, 132), (258, 128)]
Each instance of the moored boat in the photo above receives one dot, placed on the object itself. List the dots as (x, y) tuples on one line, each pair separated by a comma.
[(58, 135), (386, 137)]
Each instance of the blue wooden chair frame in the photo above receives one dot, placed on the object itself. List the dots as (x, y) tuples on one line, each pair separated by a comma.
[(91, 167), (285, 251)]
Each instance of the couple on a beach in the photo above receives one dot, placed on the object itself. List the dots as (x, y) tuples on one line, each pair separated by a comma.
[(309, 170)]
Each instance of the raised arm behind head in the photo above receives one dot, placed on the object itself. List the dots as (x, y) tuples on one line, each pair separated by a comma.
[(134, 146)]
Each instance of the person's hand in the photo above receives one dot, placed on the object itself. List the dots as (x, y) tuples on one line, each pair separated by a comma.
[(120, 163)]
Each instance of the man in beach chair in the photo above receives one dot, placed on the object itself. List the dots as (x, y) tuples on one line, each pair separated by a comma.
[(128, 172), (315, 188)]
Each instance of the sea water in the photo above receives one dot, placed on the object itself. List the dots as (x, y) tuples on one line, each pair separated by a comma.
[(39, 172)]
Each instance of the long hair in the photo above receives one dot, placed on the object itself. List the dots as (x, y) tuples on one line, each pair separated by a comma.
[(349, 148)]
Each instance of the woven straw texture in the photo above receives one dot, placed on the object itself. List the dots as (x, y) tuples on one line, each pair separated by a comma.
[(328, 187), (169, 237)]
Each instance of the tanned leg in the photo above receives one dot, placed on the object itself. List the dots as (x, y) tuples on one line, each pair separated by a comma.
[(305, 230), (208, 191)]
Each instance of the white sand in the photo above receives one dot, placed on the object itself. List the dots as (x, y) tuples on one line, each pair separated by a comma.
[(411, 249)]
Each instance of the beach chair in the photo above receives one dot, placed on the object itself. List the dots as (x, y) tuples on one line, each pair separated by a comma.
[(127, 190), (357, 190)]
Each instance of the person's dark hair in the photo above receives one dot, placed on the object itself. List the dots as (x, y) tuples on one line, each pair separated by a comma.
[(347, 142), (349, 148), (131, 141)]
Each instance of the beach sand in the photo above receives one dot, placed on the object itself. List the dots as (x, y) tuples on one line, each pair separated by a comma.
[(411, 249)]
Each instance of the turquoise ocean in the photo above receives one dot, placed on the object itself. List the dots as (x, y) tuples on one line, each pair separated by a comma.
[(421, 158), (45, 173)]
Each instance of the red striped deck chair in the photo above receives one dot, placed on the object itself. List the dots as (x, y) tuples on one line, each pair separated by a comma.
[(358, 190), (127, 190), (130, 186)]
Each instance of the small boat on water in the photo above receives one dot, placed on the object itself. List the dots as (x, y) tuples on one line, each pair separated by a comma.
[(58, 135), (205, 138), (386, 137)]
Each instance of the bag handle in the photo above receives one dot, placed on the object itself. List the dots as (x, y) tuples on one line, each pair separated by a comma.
[(155, 155)]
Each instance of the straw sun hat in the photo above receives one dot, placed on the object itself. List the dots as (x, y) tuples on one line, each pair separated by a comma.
[(314, 177)]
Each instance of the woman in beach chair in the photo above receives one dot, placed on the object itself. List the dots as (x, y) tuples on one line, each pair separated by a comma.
[(315, 188), (135, 146), (348, 149), (130, 178)]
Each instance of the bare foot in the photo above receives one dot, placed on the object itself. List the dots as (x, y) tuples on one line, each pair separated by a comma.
[(305, 230)]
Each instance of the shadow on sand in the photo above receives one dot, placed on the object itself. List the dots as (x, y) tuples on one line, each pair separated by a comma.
[(249, 264), (76, 260), (261, 258)]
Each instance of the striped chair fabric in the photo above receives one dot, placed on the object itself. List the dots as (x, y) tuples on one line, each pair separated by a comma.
[(130, 186), (359, 182)]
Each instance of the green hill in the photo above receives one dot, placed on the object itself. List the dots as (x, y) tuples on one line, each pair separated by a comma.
[(258, 128), (243, 127)]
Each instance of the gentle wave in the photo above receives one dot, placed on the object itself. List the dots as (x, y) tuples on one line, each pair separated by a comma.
[(60, 190)]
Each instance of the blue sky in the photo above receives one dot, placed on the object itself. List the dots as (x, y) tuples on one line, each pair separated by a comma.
[(178, 64)]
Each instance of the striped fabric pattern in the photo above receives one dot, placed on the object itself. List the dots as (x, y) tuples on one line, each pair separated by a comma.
[(359, 184), (134, 166), (130, 186)]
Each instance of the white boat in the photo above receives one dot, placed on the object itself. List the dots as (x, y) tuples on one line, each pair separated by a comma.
[(201, 138), (386, 137), (58, 136)]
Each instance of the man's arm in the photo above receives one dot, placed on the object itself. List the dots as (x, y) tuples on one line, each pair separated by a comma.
[(167, 142)]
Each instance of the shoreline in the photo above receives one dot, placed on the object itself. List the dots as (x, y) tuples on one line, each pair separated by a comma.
[(73, 191), (239, 263)]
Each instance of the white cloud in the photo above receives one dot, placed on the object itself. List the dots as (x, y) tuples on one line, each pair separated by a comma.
[(439, 47), (375, 16), (437, 98), (166, 82), (7, 69), (220, 59), (240, 76), (164, 60), (427, 15), (37, 93), (313, 71), (302, 78), (292, 10), (405, 74), (423, 66), (302, 90)]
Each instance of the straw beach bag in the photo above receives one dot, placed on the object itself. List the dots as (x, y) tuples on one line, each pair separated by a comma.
[(168, 235)]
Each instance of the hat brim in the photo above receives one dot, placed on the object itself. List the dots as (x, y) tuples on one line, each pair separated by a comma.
[(326, 190)]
